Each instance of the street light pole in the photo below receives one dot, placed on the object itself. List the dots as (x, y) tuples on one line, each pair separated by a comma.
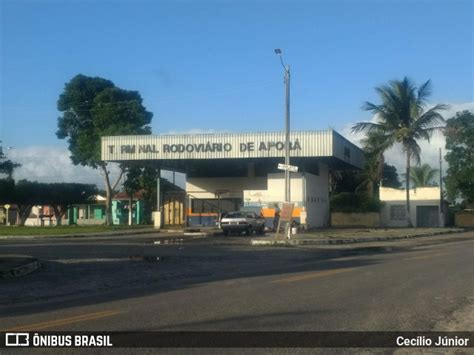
[(287, 133), (287, 126)]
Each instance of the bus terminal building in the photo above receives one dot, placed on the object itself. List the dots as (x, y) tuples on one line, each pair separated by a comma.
[(227, 171)]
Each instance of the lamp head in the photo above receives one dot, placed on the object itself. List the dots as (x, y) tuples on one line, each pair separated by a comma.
[(278, 51)]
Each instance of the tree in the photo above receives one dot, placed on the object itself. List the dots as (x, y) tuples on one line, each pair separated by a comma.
[(390, 176), (93, 107), (345, 181), (402, 118), (459, 134), (7, 167), (374, 146), (422, 175), (7, 187), (27, 194), (63, 195)]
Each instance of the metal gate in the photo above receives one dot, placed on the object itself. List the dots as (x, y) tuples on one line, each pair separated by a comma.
[(427, 216), (174, 208)]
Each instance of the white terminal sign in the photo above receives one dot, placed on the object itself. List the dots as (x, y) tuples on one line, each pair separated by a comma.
[(202, 147), (227, 146)]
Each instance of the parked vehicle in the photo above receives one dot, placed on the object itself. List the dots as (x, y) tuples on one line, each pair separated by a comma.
[(242, 221)]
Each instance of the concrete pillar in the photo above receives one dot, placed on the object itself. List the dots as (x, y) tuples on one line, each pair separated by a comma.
[(138, 212), (251, 170), (157, 219), (157, 214)]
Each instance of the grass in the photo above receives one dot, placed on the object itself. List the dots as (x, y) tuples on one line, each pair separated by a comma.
[(57, 230)]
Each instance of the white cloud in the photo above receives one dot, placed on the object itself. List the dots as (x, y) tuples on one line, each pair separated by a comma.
[(429, 150), (52, 164), (453, 108)]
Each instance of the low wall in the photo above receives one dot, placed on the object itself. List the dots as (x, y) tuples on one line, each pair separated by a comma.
[(36, 222), (464, 219), (90, 222), (368, 219)]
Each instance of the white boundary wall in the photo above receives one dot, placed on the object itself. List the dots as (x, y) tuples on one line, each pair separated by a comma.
[(317, 197)]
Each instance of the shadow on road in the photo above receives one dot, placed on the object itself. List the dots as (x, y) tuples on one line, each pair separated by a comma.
[(100, 273)]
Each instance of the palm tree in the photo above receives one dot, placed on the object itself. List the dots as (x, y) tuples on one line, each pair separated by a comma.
[(374, 147), (402, 118), (422, 175)]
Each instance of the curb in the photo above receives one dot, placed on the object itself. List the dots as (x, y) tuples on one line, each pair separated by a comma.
[(293, 242), (203, 234), (21, 270), (112, 234)]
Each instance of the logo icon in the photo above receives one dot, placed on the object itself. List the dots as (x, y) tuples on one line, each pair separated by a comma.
[(17, 339)]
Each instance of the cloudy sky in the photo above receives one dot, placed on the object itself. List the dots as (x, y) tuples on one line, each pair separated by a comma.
[(210, 66)]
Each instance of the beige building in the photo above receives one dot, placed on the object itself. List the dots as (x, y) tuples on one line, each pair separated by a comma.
[(424, 207)]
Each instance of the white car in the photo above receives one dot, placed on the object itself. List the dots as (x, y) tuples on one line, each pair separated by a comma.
[(242, 221)]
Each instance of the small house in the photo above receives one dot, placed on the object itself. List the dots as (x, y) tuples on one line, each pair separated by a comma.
[(426, 208)]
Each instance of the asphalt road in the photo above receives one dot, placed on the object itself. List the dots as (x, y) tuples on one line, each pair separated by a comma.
[(132, 284)]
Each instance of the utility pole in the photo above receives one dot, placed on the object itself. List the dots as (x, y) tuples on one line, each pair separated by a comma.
[(287, 133), (287, 126), (158, 218)]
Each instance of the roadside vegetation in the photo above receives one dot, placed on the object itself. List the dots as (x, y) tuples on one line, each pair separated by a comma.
[(460, 157), (26, 194), (59, 230), (354, 202)]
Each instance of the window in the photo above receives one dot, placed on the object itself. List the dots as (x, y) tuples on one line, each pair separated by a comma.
[(213, 205), (398, 213), (204, 206), (235, 215)]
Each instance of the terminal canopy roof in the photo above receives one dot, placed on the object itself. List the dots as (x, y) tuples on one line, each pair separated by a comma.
[(230, 154)]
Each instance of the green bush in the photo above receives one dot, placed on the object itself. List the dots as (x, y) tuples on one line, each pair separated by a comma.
[(450, 217), (354, 203)]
